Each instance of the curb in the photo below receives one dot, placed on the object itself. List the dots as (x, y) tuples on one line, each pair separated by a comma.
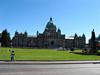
[(46, 62)]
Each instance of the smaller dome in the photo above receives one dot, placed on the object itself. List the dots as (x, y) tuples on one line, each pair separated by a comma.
[(59, 31)]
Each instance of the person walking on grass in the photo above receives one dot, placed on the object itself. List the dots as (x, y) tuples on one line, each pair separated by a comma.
[(12, 55)]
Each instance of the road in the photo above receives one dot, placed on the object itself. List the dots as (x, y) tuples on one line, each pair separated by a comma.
[(50, 69)]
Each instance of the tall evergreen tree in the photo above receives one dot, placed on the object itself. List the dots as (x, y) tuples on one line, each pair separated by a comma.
[(93, 43), (5, 39)]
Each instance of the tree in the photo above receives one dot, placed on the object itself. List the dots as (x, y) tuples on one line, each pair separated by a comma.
[(5, 39), (93, 44)]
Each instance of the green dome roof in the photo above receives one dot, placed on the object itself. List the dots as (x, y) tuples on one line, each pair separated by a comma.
[(50, 25), (59, 31)]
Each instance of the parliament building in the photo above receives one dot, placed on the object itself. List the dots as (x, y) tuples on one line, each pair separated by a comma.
[(50, 38)]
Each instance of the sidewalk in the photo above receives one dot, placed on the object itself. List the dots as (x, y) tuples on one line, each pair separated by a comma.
[(48, 62)]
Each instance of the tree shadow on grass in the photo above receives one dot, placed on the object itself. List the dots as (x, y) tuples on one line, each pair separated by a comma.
[(80, 53), (85, 53)]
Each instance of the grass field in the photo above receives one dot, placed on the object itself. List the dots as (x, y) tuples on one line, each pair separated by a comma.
[(43, 54)]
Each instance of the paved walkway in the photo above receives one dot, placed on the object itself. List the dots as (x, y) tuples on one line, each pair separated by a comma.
[(49, 62)]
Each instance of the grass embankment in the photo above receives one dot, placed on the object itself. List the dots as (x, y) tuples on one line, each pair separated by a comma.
[(43, 54)]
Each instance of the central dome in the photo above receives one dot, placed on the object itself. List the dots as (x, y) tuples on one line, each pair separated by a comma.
[(50, 25)]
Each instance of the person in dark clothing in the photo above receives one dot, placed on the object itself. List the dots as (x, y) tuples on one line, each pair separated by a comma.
[(12, 55)]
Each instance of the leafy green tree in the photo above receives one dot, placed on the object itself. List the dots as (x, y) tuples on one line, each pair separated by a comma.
[(5, 39)]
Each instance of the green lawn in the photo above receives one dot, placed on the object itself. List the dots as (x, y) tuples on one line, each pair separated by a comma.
[(43, 54)]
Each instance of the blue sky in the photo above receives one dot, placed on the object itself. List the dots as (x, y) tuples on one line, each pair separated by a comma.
[(71, 16)]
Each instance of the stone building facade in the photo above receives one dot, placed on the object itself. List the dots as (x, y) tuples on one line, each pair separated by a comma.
[(76, 42), (50, 38)]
